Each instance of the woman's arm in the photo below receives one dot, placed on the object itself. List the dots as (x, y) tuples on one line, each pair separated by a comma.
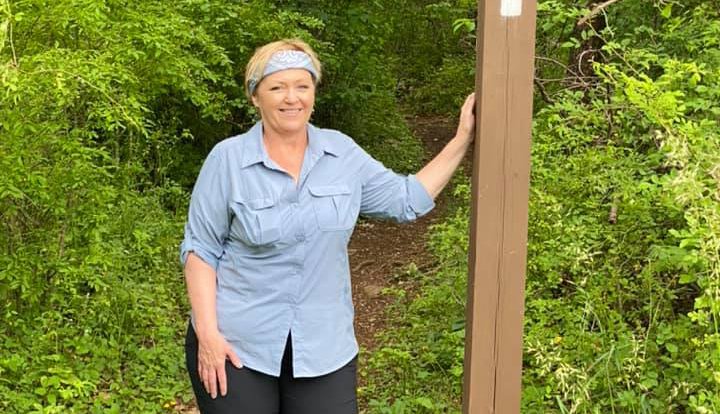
[(205, 231), (200, 279), (435, 175), (213, 349)]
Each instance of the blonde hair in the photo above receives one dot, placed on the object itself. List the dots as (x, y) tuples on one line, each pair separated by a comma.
[(259, 60)]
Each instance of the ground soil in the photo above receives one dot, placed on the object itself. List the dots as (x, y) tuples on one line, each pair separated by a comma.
[(380, 251)]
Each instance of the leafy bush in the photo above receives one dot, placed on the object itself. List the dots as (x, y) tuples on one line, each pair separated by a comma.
[(622, 302), (106, 113)]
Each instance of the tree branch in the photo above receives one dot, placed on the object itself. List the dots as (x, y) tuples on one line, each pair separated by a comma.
[(595, 11)]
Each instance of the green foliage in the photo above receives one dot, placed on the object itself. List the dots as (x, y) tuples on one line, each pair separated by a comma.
[(419, 367), (445, 92), (358, 95), (622, 305), (106, 113), (435, 47)]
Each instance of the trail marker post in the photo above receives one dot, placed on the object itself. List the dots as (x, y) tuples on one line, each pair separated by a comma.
[(499, 212)]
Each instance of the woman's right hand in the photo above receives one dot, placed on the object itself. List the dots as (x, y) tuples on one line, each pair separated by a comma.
[(213, 350)]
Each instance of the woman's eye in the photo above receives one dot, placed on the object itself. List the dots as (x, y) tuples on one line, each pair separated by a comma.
[(274, 88)]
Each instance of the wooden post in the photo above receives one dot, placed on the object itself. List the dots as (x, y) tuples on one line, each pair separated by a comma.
[(498, 227)]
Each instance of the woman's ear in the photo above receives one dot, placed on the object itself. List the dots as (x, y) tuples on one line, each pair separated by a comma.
[(254, 100)]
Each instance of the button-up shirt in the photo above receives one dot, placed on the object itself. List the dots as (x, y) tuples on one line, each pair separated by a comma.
[(279, 247)]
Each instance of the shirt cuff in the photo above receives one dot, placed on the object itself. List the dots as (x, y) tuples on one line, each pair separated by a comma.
[(188, 246), (419, 199)]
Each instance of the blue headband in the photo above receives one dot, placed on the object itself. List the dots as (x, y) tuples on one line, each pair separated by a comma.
[(282, 60)]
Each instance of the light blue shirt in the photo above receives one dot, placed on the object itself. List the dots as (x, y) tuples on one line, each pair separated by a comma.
[(280, 248)]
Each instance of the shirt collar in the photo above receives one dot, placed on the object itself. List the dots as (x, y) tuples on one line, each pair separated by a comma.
[(253, 150), (319, 143)]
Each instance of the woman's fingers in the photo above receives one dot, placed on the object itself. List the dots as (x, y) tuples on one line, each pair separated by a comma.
[(469, 105), (232, 356), (221, 373), (212, 382), (466, 124), (209, 372), (211, 365), (214, 379), (234, 359), (470, 98), (222, 380), (209, 380)]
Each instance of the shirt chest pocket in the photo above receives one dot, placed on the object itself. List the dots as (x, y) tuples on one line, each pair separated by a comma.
[(333, 206), (256, 222)]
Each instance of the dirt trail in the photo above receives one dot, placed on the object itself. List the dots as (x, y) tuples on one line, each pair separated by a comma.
[(381, 250)]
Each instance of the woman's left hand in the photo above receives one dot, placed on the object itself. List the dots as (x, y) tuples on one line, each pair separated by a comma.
[(466, 125), (436, 174)]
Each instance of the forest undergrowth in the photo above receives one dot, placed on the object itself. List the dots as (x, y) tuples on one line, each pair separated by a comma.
[(623, 274), (107, 110)]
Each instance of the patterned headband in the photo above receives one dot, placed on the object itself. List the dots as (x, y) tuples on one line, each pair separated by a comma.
[(282, 60)]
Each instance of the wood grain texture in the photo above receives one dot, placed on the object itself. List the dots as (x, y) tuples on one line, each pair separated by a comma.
[(498, 225)]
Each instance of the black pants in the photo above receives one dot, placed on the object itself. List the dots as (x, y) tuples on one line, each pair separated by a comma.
[(252, 392)]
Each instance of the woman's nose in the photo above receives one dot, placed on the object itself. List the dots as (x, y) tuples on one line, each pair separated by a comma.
[(291, 95)]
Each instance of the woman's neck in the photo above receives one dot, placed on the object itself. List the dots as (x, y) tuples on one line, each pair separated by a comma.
[(285, 142), (286, 150)]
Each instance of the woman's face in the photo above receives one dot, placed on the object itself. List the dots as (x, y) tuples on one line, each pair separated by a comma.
[(285, 100)]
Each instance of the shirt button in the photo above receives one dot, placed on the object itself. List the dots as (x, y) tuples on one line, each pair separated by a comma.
[(299, 237)]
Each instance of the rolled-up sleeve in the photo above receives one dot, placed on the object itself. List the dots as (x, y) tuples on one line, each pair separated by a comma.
[(208, 220), (386, 194)]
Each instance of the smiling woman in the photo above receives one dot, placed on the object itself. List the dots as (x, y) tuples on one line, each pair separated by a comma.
[(285, 101), (265, 248)]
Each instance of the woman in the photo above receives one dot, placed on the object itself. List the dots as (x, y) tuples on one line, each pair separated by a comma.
[(265, 248)]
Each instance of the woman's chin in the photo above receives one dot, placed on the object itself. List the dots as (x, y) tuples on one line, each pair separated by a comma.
[(291, 126)]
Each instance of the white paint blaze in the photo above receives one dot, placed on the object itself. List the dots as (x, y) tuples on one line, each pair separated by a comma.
[(511, 8)]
